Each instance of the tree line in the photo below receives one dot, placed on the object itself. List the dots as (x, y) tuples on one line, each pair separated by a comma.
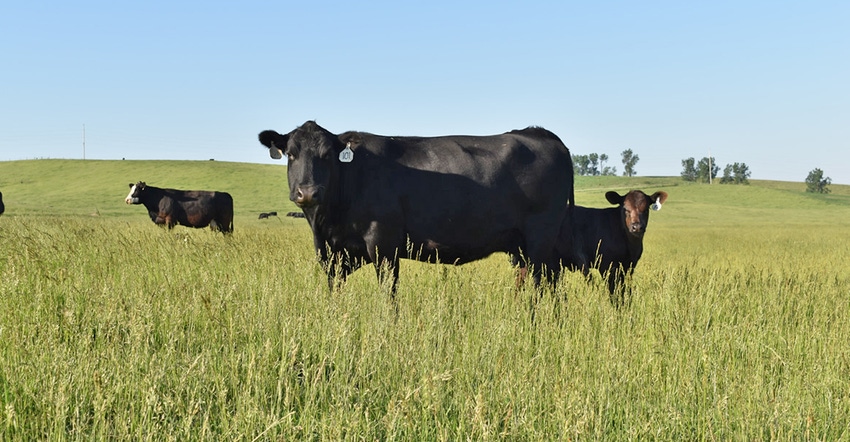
[(706, 169), (703, 171), (594, 164)]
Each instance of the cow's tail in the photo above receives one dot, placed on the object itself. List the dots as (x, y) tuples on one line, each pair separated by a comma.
[(571, 198)]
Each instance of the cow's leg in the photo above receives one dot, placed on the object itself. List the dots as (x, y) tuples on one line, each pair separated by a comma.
[(169, 221), (223, 223), (387, 272), (544, 264), (521, 266), (226, 224), (337, 265), (384, 242), (383, 246), (615, 277), (541, 235)]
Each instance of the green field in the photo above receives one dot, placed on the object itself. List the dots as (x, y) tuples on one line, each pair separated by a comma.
[(112, 328)]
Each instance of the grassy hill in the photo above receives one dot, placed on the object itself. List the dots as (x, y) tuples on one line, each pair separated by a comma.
[(95, 187)]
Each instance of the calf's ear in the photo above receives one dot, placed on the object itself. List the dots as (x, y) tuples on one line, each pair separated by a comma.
[(614, 198), (658, 198), (275, 142)]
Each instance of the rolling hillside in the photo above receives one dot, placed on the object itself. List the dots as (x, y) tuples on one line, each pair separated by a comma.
[(93, 187), (98, 187)]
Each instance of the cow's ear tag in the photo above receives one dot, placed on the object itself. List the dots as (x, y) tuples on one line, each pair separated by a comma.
[(347, 155), (656, 206)]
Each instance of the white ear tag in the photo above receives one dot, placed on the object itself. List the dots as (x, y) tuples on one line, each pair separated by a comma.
[(347, 155), (656, 206)]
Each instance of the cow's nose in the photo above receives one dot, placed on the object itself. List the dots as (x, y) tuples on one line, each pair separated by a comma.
[(636, 228), (304, 196)]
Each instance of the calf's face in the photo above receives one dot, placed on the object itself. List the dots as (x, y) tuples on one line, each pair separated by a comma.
[(634, 209), (134, 197)]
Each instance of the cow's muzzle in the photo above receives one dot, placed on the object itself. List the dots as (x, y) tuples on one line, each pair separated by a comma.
[(306, 196), (131, 200), (636, 229)]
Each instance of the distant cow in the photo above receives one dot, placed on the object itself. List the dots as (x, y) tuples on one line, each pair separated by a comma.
[(191, 208), (296, 214), (609, 240), (452, 199), (2, 207), (266, 215)]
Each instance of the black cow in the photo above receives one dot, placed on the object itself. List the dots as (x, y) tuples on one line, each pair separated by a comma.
[(452, 199), (295, 214), (266, 215), (609, 240), (2, 207), (191, 208)]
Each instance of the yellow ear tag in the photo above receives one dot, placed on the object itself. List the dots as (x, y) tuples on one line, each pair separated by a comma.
[(347, 155)]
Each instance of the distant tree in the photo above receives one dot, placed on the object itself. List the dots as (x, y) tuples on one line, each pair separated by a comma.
[(707, 167), (593, 165), (629, 161), (689, 170), (603, 169), (816, 183), (581, 164), (736, 173)]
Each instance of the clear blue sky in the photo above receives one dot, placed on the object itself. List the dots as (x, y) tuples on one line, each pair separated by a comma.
[(766, 83)]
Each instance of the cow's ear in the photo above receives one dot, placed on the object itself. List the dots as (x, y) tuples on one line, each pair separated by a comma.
[(131, 185), (350, 139), (614, 198), (275, 142), (658, 198)]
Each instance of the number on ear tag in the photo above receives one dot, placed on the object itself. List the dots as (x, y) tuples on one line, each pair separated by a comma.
[(347, 155)]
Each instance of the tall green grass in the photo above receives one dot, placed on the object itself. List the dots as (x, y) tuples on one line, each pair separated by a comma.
[(111, 328)]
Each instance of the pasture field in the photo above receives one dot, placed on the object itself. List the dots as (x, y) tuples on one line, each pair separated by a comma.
[(114, 329)]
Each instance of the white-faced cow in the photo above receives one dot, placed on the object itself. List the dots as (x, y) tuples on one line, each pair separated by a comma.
[(191, 208), (609, 240), (452, 199)]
